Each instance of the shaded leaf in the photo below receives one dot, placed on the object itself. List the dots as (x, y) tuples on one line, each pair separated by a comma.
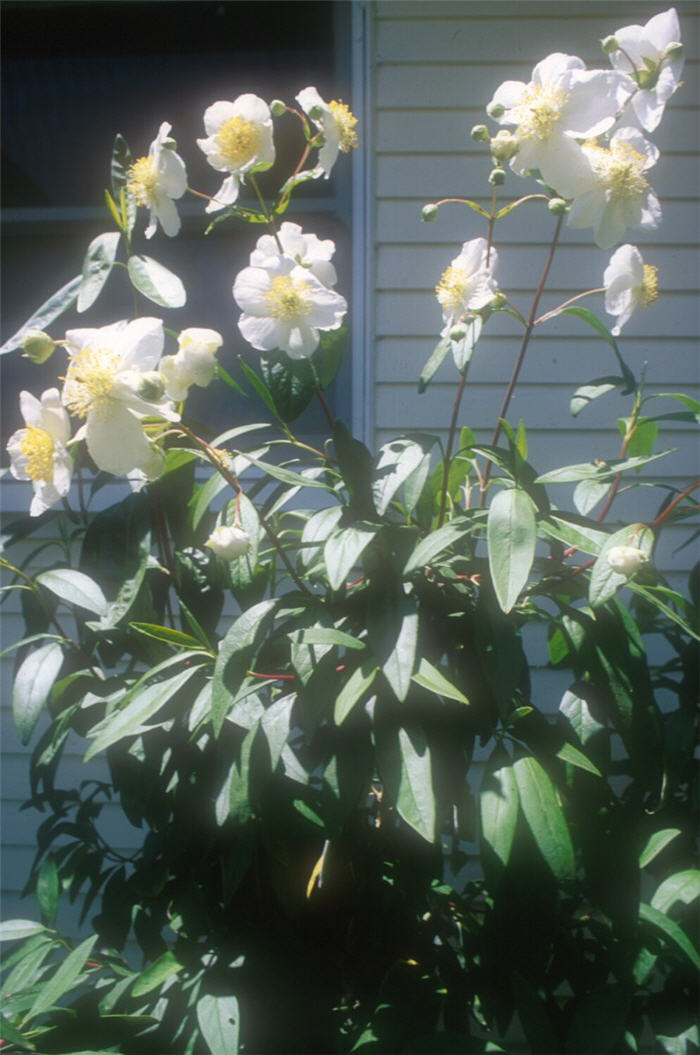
[(545, 817), (33, 683), (98, 262), (64, 979), (512, 536), (498, 804), (60, 301), (47, 889), (343, 549), (656, 844), (431, 678), (392, 620), (156, 973), (354, 689)]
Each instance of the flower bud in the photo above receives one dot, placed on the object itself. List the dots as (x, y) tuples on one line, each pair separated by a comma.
[(626, 560), (674, 50), (557, 206), (480, 134), (151, 386), (228, 542), (495, 110), (498, 301), (609, 45), (458, 333), (429, 213), (315, 113), (37, 346), (277, 108), (504, 146), (497, 177)]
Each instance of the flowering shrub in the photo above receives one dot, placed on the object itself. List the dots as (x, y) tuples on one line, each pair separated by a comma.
[(361, 828)]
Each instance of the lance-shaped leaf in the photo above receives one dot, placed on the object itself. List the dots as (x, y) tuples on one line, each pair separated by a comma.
[(594, 322), (98, 262), (673, 933), (545, 817), (120, 164), (406, 768), (47, 889), (586, 394), (498, 802), (61, 301), (219, 1021), (156, 973), (511, 534), (682, 886), (354, 689), (397, 460), (64, 979), (343, 549), (76, 588), (434, 543), (235, 654), (434, 363), (605, 581), (463, 350), (33, 684), (156, 282), (432, 679), (19, 929), (392, 619), (656, 843), (571, 474)]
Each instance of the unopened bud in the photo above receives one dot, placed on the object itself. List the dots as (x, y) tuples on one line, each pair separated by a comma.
[(674, 49), (557, 206), (37, 346), (495, 110), (430, 212), (315, 113), (480, 134), (626, 560), (609, 45), (498, 301), (497, 177), (458, 333), (151, 386), (228, 542), (504, 146), (277, 108)]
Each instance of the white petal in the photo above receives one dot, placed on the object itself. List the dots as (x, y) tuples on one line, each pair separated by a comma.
[(116, 441), (216, 115), (594, 98), (226, 194), (302, 342), (265, 334), (324, 272), (252, 108), (328, 154), (141, 343), (166, 211), (54, 416), (564, 166), (250, 288), (508, 95), (31, 409), (172, 174), (554, 65), (663, 29), (308, 98)]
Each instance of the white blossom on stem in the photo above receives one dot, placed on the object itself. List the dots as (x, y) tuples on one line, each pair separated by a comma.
[(652, 56), (629, 283), (337, 123), (618, 194), (38, 451), (239, 141), (193, 364), (156, 180), (563, 102), (111, 382), (468, 284), (626, 560), (308, 250), (228, 542)]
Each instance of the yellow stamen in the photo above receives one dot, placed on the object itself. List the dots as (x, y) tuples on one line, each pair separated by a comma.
[(346, 125), (650, 285), (90, 379), (238, 141), (37, 446), (538, 111), (452, 287), (289, 297), (620, 169), (143, 180)]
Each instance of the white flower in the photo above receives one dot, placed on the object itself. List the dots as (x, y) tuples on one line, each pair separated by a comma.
[(110, 383), (335, 121), (306, 249), (468, 284), (239, 140), (618, 194), (194, 363), (653, 58), (156, 180), (562, 103), (38, 452), (628, 282), (228, 542), (284, 306), (626, 560)]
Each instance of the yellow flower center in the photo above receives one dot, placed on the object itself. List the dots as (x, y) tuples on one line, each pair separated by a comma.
[(238, 141), (620, 169), (452, 287), (650, 285), (143, 180), (289, 297), (346, 122), (90, 379), (37, 446), (538, 111)]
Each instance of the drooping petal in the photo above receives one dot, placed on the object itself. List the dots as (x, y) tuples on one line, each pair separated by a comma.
[(165, 210), (116, 441), (226, 194), (31, 409)]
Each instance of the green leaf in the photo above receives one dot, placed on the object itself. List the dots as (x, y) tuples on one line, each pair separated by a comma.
[(605, 581), (671, 930), (10, 1035), (588, 493), (571, 533), (643, 438), (322, 635), (392, 620), (682, 886), (167, 634), (571, 754), (259, 386), (545, 817), (156, 973), (219, 1020), (61, 301), (570, 474), (156, 282), (354, 689), (498, 804), (683, 1043), (586, 394), (655, 844), (291, 383), (463, 350), (512, 535), (97, 265), (275, 724), (64, 979), (142, 705), (328, 357), (235, 654), (76, 588), (599, 1020), (434, 363), (692, 404), (397, 460), (356, 466), (580, 718), (120, 164), (533, 1015), (47, 889), (204, 496), (18, 929), (285, 476), (587, 316), (225, 376), (343, 549), (33, 683), (436, 542), (406, 769), (429, 677)]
